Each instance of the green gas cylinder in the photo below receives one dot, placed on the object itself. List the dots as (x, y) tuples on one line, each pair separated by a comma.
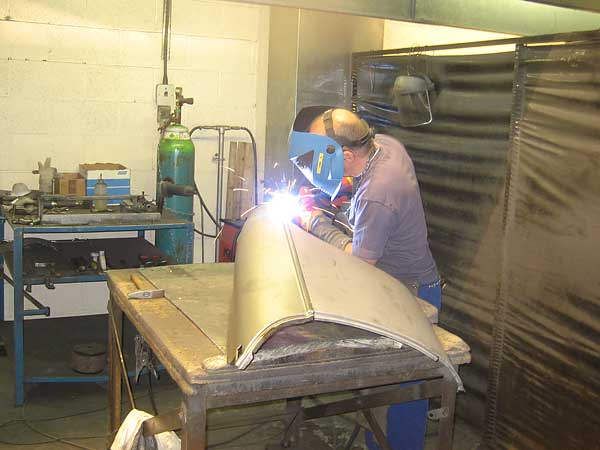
[(176, 164)]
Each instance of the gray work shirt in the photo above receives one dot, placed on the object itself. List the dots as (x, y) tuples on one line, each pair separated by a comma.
[(387, 215)]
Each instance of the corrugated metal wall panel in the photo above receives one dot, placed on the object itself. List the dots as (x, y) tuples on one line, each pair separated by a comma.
[(460, 160), (545, 386)]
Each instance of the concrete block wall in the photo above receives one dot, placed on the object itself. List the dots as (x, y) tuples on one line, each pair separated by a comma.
[(77, 83)]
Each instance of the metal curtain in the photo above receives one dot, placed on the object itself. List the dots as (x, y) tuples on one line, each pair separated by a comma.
[(545, 384), (514, 226), (460, 160)]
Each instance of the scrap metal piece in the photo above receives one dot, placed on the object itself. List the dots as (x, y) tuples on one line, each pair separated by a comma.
[(284, 276)]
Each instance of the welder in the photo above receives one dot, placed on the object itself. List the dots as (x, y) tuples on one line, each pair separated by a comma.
[(386, 214)]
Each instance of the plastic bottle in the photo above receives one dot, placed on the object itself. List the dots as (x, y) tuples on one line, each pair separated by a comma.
[(100, 189)]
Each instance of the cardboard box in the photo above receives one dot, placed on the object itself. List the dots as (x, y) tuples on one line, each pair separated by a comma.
[(116, 176), (71, 184)]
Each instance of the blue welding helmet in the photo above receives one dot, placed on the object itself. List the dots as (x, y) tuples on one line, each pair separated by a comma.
[(319, 158)]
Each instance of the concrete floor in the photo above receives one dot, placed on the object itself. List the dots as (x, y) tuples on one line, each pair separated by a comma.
[(77, 412)]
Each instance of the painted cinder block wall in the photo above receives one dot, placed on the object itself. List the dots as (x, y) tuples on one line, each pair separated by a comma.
[(77, 83)]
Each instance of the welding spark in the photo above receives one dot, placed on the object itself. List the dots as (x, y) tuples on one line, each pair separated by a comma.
[(229, 168), (219, 234), (248, 210), (325, 211), (344, 225)]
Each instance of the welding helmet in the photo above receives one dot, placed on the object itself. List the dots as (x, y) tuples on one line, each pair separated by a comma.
[(320, 158)]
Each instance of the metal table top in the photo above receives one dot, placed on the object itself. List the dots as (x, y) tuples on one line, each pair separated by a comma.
[(191, 343)]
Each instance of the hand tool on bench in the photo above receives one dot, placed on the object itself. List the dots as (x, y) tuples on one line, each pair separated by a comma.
[(146, 289)]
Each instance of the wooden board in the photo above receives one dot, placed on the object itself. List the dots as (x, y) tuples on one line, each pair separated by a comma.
[(240, 180)]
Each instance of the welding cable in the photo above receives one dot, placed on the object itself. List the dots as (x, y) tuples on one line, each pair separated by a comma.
[(59, 439), (203, 205), (26, 421), (204, 208), (202, 230), (121, 359), (200, 233), (50, 436), (151, 394)]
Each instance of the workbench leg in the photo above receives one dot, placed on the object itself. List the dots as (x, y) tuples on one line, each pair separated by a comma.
[(380, 436), (446, 426), (141, 234), (115, 373), (18, 318), (193, 433)]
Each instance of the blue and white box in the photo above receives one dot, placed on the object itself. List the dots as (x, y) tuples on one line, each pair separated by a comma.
[(116, 176)]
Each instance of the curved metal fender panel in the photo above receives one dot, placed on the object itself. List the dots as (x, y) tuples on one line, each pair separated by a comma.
[(266, 290), (284, 275)]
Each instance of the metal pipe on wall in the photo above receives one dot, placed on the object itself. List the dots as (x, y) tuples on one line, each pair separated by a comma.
[(166, 37), (220, 165)]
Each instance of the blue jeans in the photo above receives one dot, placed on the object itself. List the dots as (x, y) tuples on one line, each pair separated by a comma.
[(406, 422)]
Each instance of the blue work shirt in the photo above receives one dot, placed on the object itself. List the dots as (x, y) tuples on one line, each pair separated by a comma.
[(388, 218)]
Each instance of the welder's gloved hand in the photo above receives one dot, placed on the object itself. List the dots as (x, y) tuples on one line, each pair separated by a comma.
[(322, 227), (306, 199)]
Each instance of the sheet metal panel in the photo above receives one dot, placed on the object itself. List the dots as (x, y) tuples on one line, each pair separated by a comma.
[(284, 275), (268, 290), (545, 384), (461, 163)]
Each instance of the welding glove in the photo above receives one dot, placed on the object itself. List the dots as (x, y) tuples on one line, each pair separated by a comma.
[(306, 200), (320, 225), (47, 175)]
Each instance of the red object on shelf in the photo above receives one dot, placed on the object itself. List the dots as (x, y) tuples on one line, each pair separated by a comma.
[(228, 240)]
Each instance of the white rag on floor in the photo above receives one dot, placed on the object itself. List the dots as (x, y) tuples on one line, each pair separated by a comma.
[(130, 435)]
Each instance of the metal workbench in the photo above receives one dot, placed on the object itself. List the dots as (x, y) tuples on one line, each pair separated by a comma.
[(301, 360), (21, 280)]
